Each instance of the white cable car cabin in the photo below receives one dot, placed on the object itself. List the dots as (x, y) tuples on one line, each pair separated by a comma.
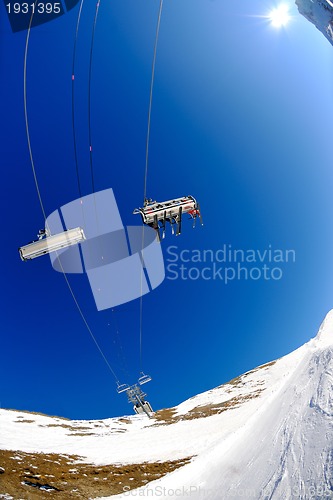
[(156, 214), (48, 243)]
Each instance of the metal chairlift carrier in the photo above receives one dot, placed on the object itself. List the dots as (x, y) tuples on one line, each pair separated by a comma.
[(157, 214), (136, 396), (143, 379), (51, 243), (122, 388), (154, 214)]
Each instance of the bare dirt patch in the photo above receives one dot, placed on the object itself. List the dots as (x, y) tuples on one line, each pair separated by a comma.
[(168, 416), (29, 476), (24, 421), (35, 413)]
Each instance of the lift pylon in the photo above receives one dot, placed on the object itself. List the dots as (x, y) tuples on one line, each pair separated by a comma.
[(136, 396)]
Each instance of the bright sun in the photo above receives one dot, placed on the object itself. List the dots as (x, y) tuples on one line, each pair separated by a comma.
[(280, 16)]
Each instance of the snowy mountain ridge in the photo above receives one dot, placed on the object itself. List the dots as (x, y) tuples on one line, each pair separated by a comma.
[(319, 13), (324, 337), (265, 434)]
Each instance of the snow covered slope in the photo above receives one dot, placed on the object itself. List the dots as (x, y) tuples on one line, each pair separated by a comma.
[(266, 434), (319, 13)]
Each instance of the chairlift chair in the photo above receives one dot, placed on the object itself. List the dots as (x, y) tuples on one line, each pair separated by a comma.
[(143, 379), (47, 243), (157, 214), (122, 388)]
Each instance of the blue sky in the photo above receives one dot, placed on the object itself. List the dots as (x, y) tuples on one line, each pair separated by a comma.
[(241, 120)]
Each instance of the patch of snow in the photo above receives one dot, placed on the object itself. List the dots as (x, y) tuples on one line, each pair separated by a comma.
[(282, 450), (270, 434), (324, 337), (319, 13)]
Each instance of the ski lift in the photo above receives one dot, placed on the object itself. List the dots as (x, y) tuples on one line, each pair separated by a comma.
[(48, 243), (157, 214), (136, 396), (122, 388), (143, 379)]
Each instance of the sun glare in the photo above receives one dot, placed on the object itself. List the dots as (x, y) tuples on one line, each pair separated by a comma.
[(280, 16)]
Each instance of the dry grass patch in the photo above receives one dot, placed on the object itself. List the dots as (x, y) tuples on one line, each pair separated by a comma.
[(29, 476), (81, 434), (72, 428), (261, 367), (168, 416), (241, 380), (34, 413), (64, 426), (125, 420)]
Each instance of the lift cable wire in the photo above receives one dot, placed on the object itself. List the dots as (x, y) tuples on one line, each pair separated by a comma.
[(26, 111), (118, 337), (146, 167), (87, 325), (78, 21), (89, 117), (89, 95), (151, 98), (39, 194), (90, 126), (73, 97), (120, 349), (141, 309)]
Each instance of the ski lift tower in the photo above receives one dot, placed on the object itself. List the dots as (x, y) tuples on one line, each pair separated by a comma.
[(136, 396)]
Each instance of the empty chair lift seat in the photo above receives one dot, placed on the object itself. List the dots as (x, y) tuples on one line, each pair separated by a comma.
[(51, 243)]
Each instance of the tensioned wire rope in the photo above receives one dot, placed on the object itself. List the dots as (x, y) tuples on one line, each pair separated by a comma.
[(36, 179), (120, 348), (151, 97), (152, 81), (89, 95), (147, 141), (73, 98)]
